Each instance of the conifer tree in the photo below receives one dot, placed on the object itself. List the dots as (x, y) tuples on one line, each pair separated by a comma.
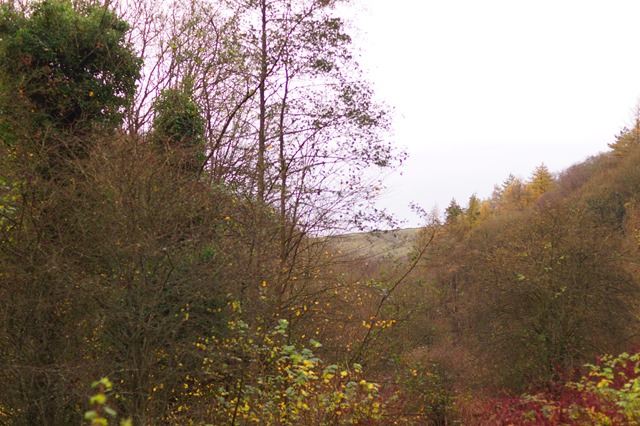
[(540, 182)]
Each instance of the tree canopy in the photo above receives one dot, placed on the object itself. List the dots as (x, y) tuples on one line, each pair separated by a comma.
[(68, 65)]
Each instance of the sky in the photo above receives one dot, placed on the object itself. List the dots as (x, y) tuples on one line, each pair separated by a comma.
[(484, 89)]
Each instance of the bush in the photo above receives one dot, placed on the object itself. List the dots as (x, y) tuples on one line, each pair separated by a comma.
[(258, 376), (608, 394)]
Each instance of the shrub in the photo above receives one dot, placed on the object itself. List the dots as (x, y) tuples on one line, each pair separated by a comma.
[(259, 376), (608, 394)]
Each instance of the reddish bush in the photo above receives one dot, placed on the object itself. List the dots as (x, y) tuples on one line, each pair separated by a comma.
[(605, 393)]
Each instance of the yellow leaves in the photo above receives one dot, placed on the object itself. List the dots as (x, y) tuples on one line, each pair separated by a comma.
[(382, 324), (302, 405), (296, 389)]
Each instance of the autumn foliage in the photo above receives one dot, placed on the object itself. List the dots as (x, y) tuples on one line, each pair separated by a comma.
[(179, 195)]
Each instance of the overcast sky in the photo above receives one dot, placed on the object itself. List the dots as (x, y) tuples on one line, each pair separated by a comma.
[(482, 89)]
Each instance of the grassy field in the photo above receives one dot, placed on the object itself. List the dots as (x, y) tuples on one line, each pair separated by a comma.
[(395, 244)]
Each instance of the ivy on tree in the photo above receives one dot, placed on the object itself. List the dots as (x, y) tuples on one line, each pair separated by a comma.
[(179, 128), (68, 67)]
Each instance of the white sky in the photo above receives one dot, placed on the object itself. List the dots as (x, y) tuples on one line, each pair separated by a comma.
[(482, 89)]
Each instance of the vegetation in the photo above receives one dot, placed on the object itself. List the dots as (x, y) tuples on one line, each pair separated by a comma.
[(174, 194)]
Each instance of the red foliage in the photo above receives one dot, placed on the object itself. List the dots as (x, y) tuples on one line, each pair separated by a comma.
[(560, 402)]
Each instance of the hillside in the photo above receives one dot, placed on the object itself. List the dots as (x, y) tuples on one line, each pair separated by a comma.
[(392, 244)]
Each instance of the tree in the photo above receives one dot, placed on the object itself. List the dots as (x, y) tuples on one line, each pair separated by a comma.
[(154, 243), (179, 128), (472, 212), (628, 137), (66, 74), (550, 289), (513, 194), (110, 258), (67, 65), (541, 181), (453, 211), (291, 125)]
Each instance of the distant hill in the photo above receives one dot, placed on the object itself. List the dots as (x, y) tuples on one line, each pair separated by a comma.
[(393, 244)]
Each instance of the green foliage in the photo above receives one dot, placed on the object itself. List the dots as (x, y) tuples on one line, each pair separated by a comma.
[(179, 128), (614, 380), (257, 376), (100, 411), (453, 211), (426, 393), (178, 120), (68, 66)]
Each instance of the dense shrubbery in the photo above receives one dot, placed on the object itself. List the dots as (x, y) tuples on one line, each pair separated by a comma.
[(256, 377), (607, 394)]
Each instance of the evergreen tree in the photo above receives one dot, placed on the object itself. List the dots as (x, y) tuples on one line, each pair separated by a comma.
[(453, 211), (67, 66), (179, 128), (541, 181), (628, 137)]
